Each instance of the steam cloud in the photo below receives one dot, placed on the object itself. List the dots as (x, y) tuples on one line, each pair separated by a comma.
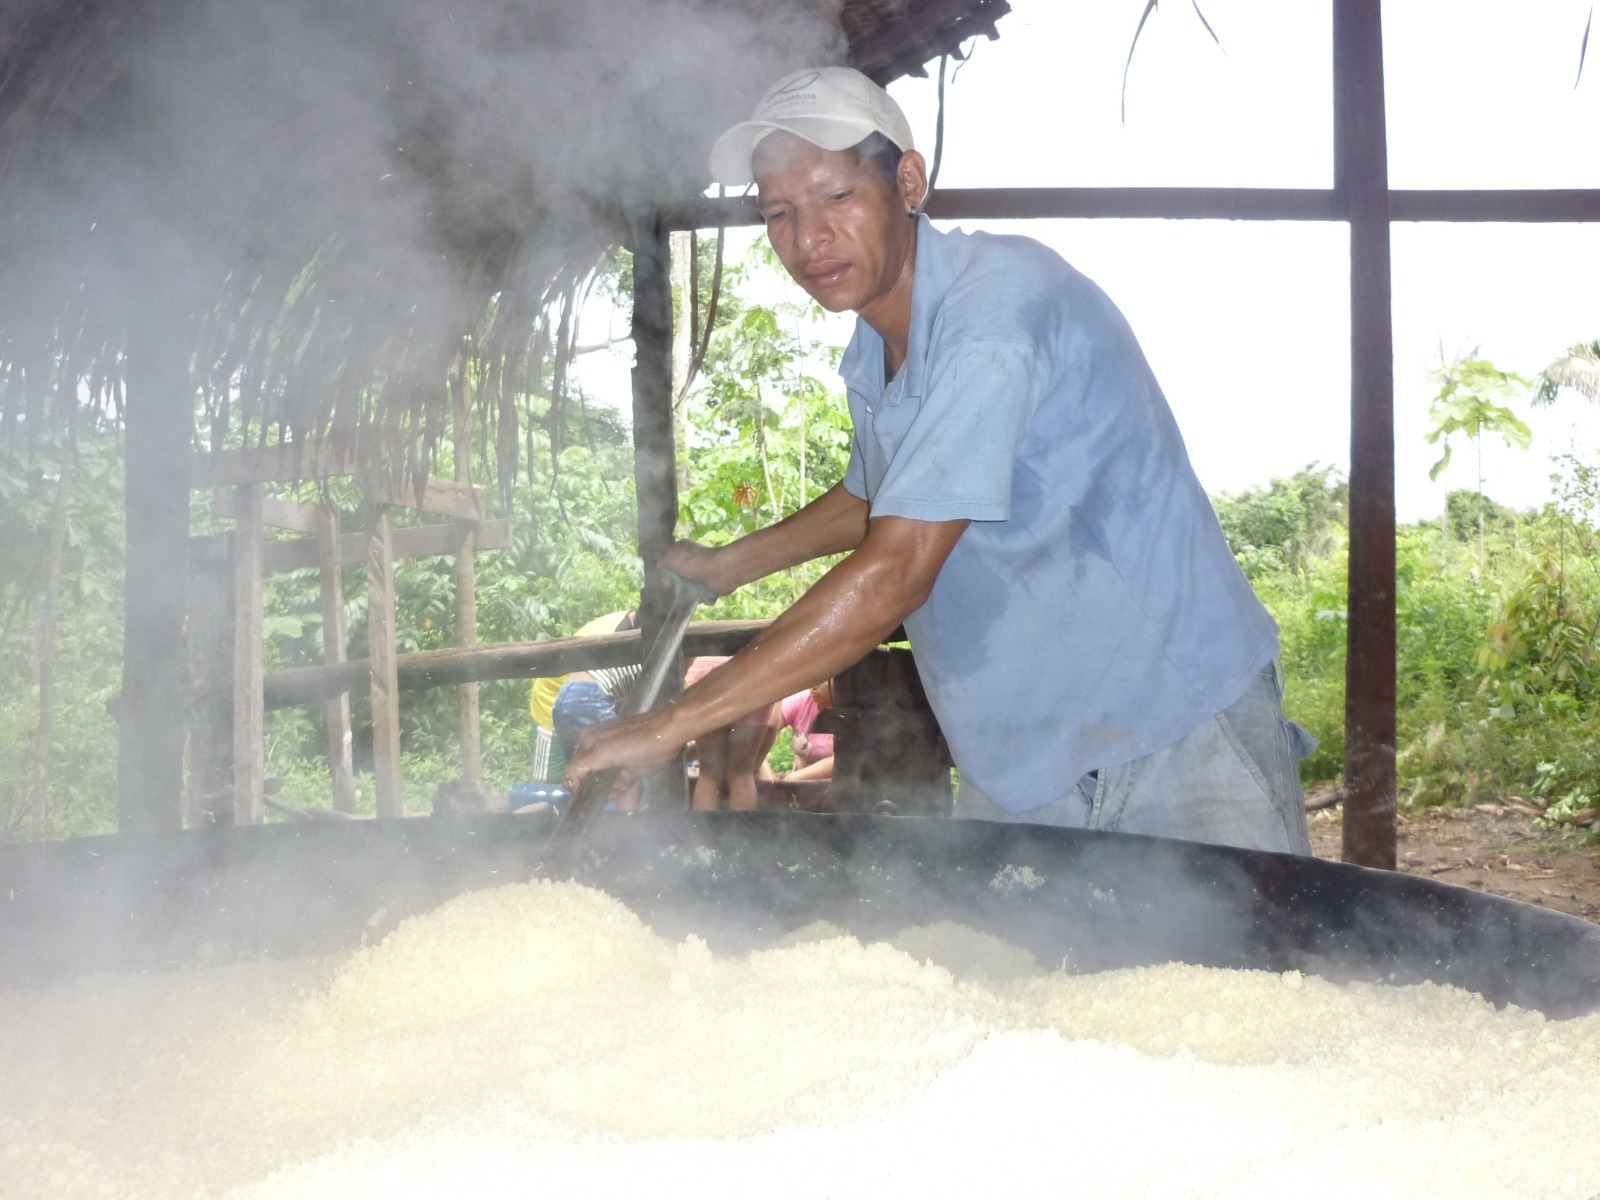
[(424, 154)]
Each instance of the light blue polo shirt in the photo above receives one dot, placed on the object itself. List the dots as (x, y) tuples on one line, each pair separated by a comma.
[(1092, 612)]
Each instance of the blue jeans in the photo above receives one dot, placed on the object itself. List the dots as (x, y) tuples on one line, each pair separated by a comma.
[(579, 704), (1234, 781)]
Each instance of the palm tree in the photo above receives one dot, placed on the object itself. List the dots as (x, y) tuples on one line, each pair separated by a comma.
[(1578, 369)]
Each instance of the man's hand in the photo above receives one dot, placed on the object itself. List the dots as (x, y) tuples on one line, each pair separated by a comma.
[(636, 746), (715, 566)]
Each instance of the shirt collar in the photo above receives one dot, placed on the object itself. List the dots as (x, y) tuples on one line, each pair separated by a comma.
[(861, 367)]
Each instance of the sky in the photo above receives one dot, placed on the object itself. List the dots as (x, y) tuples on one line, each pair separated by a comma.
[(1247, 323)]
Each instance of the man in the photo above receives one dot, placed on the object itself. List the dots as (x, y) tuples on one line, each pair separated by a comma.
[(1017, 494)]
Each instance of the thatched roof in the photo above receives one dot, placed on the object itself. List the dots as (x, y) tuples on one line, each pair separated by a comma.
[(332, 194)]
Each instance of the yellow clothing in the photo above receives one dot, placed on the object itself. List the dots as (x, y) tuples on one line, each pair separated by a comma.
[(542, 697)]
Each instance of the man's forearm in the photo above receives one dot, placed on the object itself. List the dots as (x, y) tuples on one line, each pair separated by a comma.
[(833, 523), (849, 611), (838, 621)]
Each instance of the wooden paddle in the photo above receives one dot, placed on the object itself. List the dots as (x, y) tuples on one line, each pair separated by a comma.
[(687, 595)]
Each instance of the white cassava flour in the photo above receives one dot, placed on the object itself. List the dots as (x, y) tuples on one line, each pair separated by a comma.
[(539, 1040)]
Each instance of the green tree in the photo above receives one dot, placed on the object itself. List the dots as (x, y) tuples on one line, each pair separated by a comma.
[(1293, 522), (1467, 404)]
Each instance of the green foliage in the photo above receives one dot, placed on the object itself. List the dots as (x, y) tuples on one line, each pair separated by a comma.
[(1290, 524), (1466, 405), (87, 654), (1466, 510), (768, 431)]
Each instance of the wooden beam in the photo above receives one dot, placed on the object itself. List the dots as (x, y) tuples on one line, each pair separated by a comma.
[(381, 675), (1505, 205), (511, 660), (249, 734), (1200, 204), (1171, 204), (1362, 177), (441, 497), (408, 541), (286, 462), (276, 512)]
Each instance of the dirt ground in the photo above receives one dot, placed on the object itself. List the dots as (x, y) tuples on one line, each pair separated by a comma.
[(1489, 847)]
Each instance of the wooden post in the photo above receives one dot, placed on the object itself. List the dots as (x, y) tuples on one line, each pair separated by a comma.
[(889, 753), (158, 432), (1362, 179), (654, 472), (466, 580), (249, 668), (211, 653), (330, 580), (381, 653)]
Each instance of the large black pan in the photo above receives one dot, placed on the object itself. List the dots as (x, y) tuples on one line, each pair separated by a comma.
[(1093, 900)]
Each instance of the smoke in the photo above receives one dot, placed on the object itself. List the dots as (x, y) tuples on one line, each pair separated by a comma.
[(407, 162)]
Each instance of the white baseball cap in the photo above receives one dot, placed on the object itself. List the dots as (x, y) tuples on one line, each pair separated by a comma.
[(831, 107)]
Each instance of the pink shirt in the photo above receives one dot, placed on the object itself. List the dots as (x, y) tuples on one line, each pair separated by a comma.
[(799, 712)]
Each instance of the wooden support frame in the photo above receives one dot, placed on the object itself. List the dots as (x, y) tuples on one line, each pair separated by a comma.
[(330, 579), (441, 497), (654, 450), (1362, 178), (468, 731), (249, 739), (285, 462), (1199, 204), (157, 443), (384, 685), (506, 660), (406, 541), (238, 477), (211, 653)]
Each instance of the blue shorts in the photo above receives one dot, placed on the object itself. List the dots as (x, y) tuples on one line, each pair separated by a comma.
[(579, 704)]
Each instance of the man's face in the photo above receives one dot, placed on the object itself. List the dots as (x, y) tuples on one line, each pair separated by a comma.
[(836, 223)]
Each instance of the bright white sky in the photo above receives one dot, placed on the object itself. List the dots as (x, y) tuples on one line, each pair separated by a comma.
[(1247, 324)]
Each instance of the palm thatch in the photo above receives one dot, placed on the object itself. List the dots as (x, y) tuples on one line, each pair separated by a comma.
[(329, 196), (1578, 369)]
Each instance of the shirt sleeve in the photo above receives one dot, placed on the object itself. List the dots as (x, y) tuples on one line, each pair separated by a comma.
[(855, 472), (958, 450)]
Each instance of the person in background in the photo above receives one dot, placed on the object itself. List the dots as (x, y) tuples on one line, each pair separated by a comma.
[(731, 758), (548, 759), (813, 752), (588, 698)]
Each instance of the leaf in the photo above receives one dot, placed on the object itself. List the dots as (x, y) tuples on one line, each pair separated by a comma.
[(1438, 468), (1149, 8), (1583, 47)]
